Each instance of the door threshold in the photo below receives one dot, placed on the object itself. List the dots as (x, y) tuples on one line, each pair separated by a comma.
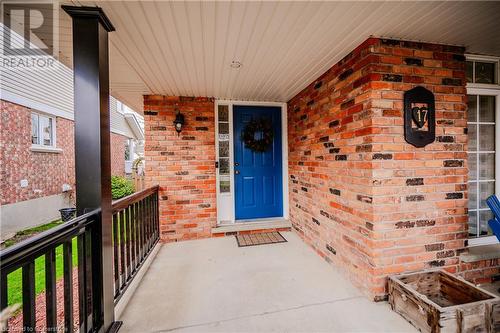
[(262, 220), (253, 225)]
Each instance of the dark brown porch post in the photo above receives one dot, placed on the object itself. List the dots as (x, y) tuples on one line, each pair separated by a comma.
[(92, 146)]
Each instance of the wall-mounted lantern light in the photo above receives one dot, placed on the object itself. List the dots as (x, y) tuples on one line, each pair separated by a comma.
[(179, 121)]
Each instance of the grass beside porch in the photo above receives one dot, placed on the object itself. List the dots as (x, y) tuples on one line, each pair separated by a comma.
[(15, 278)]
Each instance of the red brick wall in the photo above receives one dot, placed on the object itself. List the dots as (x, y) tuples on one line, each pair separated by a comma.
[(328, 129), (45, 172), (419, 194), (480, 271), (359, 194), (183, 166), (118, 154)]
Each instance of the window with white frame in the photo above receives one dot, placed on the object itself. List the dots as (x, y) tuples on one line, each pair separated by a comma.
[(43, 130), (483, 123), (482, 137)]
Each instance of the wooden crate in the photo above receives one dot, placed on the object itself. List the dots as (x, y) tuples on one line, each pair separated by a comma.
[(436, 301)]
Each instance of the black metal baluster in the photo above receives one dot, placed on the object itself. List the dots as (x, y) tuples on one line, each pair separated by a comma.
[(129, 242), (137, 234), (146, 227), (134, 236), (115, 254), (150, 230), (4, 294), (29, 307), (123, 236), (68, 285), (50, 290), (150, 224), (146, 231), (152, 219), (157, 217), (153, 228), (89, 269), (123, 270), (82, 283), (141, 224), (146, 223)]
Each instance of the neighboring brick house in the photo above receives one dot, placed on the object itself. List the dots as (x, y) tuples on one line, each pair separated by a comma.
[(37, 146), (366, 200), (38, 164)]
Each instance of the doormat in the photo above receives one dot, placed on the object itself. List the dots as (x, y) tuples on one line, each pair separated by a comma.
[(261, 238)]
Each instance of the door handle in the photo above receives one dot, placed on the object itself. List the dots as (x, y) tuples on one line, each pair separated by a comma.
[(236, 172), (236, 164)]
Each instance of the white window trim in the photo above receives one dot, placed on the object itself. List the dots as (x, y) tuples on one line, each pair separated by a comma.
[(492, 91), (43, 148)]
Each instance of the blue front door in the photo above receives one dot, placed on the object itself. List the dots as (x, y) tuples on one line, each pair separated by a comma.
[(258, 175)]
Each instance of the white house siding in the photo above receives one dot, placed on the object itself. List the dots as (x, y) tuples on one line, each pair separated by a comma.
[(48, 90)]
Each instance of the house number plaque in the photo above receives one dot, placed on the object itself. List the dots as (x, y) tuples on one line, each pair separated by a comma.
[(420, 120)]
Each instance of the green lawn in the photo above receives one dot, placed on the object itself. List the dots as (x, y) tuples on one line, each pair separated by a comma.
[(14, 279), (26, 233)]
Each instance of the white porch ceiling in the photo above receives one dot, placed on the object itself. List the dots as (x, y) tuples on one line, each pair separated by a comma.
[(186, 48)]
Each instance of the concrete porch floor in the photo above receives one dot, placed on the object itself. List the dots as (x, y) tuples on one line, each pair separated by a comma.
[(212, 285)]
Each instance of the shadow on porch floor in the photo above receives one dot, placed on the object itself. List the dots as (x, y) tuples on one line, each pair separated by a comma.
[(213, 285)]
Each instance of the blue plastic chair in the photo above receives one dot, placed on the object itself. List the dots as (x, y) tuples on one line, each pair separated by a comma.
[(494, 223)]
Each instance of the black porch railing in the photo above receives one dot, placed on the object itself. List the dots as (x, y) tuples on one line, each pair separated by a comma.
[(135, 232), (24, 254)]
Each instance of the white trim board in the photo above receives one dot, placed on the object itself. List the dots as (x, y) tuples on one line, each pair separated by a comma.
[(115, 131), (133, 123), (226, 201)]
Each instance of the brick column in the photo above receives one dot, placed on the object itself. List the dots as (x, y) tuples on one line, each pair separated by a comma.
[(419, 194), (183, 165), (366, 200)]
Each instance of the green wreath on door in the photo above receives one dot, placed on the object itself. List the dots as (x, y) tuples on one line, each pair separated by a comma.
[(258, 135)]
